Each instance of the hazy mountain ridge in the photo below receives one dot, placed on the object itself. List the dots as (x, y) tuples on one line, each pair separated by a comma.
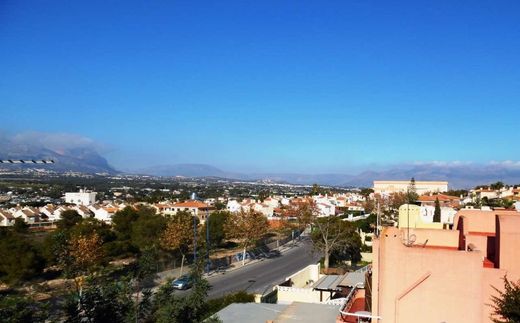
[(80, 155), (458, 175), (79, 159)]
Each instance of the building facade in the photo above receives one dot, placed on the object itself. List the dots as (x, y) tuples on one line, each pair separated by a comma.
[(421, 187), (80, 198)]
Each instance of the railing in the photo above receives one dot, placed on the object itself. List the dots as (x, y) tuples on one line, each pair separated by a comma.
[(338, 301), (364, 269), (350, 300)]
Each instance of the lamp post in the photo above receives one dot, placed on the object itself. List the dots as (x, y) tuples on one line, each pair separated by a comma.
[(207, 241), (194, 239)]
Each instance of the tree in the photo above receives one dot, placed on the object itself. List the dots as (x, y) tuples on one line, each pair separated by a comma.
[(14, 309), (147, 229), (349, 251), (19, 259), (109, 301), (437, 212), (306, 213), (189, 309), (69, 218), (316, 189), (366, 192), (122, 222), (178, 234), (216, 223), (506, 306), (332, 234), (86, 252), (220, 206), (497, 186), (20, 226), (366, 225), (411, 192), (246, 226)]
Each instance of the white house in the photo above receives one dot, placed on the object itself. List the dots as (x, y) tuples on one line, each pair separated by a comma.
[(84, 211), (197, 208), (103, 213), (272, 202), (6, 218), (81, 198), (325, 209), (233, 206), (447, 214), (28, 214)]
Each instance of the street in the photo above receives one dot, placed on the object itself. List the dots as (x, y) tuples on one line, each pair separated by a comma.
[(263, 275)]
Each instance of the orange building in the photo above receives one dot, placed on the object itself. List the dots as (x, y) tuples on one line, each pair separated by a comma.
[(440, 275)]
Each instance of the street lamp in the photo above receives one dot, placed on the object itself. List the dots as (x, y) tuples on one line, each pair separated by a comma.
[(207, 240), (194, 239)]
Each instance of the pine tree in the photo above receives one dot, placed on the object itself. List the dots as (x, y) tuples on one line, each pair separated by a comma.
[(411, 192), (437, 213)]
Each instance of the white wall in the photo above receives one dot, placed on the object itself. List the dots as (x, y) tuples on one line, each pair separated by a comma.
[(80, 198)]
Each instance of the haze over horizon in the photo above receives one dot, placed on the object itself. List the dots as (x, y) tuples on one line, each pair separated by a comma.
[(265, 87)]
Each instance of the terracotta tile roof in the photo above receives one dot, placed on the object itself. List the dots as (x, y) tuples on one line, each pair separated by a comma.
[(6, 214), (195, 204), (441, 197)]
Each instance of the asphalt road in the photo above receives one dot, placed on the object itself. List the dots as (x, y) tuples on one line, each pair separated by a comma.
[(263, 275)]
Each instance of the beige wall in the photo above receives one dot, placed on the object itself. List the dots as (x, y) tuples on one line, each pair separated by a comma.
[(302, 277), (440, 284), (287, 295), (425, 285), (410, 214), (421, 187)]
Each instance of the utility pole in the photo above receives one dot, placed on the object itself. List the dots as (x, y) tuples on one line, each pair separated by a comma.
[(207, 241), (378, 219), (408, 224), (194, 239)]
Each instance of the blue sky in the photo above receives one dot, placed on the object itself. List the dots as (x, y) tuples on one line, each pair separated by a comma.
[(306, 86)]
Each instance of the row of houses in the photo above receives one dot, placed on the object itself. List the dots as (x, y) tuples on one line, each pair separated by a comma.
[(48, 214), (272, 207)]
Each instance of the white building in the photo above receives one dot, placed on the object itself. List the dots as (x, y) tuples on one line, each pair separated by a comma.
[(6, 218), (103, 213), (233, 206), (80, 198)]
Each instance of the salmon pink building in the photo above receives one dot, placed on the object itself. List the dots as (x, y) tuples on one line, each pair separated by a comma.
[(443, 275)]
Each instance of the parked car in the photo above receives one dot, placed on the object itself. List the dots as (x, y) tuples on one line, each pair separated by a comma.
[(183, 282), (273, 254)]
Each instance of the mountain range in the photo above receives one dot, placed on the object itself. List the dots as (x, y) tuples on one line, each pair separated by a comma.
[(458, 175), (75, 159), (86, 159)]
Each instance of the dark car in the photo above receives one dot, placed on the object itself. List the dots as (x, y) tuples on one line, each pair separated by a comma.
[(274, 253), (183, 282)]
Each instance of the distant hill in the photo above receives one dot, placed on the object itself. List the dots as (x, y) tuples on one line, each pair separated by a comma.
[(82, 159), (186, 170), (458, 175), (79, 154)]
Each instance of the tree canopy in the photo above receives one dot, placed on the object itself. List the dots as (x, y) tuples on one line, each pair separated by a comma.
[(506, 306)]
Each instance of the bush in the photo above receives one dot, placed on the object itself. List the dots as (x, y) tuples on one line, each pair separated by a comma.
[(14, 308)]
